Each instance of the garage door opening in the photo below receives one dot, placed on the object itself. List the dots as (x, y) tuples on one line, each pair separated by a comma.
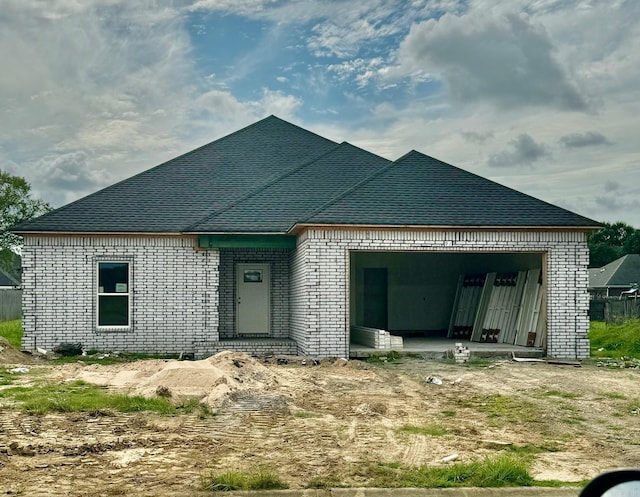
[(402, 299)]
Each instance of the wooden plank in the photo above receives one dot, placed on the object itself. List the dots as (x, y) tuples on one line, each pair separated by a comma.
[(482, 307), (455, 310)]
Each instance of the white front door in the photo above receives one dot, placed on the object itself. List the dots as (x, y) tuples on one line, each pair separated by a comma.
[(253, 299)]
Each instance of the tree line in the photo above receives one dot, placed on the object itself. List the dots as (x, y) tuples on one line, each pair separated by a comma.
[(612, 242)]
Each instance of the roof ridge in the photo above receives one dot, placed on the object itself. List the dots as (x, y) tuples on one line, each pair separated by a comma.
[(275, 179), (332, 201)]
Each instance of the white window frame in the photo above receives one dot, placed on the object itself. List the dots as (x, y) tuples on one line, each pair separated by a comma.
[(127, 294)]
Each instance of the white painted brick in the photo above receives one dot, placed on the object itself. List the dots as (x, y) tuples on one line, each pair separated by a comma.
[(184, 300)]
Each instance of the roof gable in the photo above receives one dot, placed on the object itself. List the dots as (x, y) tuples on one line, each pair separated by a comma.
[(178, 193), (420, 190)]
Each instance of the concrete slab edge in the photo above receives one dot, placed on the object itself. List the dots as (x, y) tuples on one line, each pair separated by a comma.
[(414, 492)]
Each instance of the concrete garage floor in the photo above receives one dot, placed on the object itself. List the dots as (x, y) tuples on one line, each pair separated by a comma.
[(437, 347)]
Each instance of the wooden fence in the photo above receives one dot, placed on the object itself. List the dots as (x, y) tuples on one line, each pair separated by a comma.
[(10, 304), (614, 310)]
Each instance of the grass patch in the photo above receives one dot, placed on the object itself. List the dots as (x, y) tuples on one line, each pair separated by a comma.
[(504, 409), (433, 430), (615, 340), (390, 356), (79, 396), (448, 413), (6, 378), (12, 331), (530, 450), (257, 479), (561, 394), (614, 395), (479, 362), (505, 470), (324, 482)]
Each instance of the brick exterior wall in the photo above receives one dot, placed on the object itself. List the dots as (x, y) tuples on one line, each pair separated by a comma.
[(320, 286), (175, 293), (278, 261), (177, 306)]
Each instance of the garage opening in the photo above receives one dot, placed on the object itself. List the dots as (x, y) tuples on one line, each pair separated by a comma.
[(400, 298)]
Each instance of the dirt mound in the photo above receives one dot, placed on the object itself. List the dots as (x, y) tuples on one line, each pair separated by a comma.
[(210, 380), (10, 355)]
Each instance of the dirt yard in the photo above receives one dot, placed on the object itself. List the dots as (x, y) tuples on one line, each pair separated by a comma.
[(322, 422)]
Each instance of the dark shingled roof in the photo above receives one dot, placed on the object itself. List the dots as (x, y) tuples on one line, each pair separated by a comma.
[(174, 195), (273, 175), (294, 196), (420, 190), (621, 272)]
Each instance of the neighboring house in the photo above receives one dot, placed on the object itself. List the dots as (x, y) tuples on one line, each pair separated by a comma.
[(616, 278), (274, 239), (8, 282)]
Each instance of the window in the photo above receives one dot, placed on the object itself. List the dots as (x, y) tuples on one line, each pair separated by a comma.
[(114, 295)]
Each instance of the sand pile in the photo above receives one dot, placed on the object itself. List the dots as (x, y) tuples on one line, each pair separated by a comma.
[(210, 380), (9, 355)]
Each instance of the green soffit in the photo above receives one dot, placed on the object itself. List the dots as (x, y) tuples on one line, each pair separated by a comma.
[(247, 241)]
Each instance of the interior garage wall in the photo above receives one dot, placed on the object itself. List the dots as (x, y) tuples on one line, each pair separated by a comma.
[(422, 286)]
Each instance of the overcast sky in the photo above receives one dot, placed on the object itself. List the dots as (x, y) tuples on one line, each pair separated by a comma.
[(540, 95)]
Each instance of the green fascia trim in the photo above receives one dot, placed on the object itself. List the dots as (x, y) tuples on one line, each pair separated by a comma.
[(246, 241)]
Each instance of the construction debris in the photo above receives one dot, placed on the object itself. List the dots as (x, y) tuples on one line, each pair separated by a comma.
[(434, 380), (461, 354), (450, 458)]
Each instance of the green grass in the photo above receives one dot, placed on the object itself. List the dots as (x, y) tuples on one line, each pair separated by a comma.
[(505, 470), (433, 430), (6, 378), (79, 396), (479, 362), (615, 340), (389, 357), (502, 409), (12, 331), (256, 479), (324, 482), (561, 393)]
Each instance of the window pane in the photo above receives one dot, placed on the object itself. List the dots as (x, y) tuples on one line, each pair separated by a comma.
[(113, 310), (113, 277)]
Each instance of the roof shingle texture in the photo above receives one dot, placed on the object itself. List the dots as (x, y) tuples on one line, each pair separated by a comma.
[(273, 175), (621, 272), (420, 190)]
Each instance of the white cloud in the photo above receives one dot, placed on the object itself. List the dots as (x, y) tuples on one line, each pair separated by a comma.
[(103, 89), (506, 60)]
